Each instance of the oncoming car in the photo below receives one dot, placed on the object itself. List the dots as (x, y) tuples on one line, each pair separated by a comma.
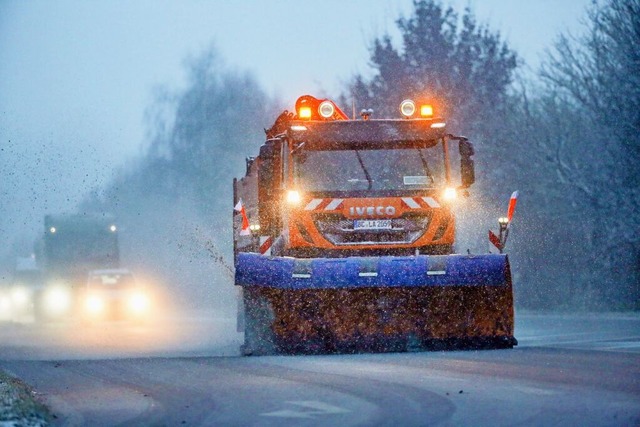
[(115, 294)]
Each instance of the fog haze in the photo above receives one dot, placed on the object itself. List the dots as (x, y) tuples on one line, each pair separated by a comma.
[(78, 78)]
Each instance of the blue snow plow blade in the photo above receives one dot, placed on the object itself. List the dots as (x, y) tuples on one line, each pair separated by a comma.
[(253, 269)]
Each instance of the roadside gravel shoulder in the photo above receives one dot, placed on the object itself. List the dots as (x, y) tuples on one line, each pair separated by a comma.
[(19, 405)]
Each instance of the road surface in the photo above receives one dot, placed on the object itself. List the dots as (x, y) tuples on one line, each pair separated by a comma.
[(568, 370)]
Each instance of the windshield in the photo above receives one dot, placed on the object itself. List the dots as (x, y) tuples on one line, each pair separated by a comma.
[(79, 247), (388, 169)]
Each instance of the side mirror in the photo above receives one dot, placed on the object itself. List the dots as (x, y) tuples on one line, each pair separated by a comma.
[(467, 169)]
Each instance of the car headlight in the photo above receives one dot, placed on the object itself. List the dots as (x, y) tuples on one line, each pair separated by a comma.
[(5, 303), (94, 304), (138, 302), (57, 300), (20, 297)]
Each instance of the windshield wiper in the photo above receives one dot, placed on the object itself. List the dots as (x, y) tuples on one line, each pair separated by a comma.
[(298, 147), (364, 169), (426, 166)]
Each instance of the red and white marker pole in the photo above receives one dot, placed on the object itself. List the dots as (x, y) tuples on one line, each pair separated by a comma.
[(501, 240), (512, 206), (244, 231)]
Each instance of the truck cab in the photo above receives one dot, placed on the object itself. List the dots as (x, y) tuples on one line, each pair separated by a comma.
[(333, 187), (344, 234)]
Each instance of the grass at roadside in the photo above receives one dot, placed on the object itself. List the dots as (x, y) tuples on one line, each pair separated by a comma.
[(19, 406)]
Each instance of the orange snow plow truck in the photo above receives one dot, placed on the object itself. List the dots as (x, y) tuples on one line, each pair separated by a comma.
[(344, 236)]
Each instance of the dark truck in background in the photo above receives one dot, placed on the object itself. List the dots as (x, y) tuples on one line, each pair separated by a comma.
[(72, 246)]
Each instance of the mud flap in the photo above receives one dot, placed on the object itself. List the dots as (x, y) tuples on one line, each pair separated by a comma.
[(259, 338), (375, 303), (240, 309)]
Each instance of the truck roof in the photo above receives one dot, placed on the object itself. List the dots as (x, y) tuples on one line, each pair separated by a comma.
[(350, 133), (84, 218)]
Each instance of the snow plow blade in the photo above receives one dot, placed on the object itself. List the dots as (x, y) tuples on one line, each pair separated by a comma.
[(375, 304)]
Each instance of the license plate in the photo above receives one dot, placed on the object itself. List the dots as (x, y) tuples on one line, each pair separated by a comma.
[(372, 224)]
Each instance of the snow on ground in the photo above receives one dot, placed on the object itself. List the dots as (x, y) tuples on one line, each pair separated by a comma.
[(19, 406)]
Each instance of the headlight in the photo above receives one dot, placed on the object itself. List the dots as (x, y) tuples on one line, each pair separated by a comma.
[(20, 297), (5, 304), (138, 303), (57, 300), (450, 194), (94, 304), (293, 197)]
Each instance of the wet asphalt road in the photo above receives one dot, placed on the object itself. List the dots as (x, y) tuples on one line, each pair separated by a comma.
[(568, 370)]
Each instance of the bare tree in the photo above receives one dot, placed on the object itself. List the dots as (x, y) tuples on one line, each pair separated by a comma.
[(459, 64), (571, 146), (600, 71), (593, 91), (175, 202)]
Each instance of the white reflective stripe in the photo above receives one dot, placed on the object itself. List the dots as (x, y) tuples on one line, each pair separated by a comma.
[(368, 274), (333, 205), (265, 245), (411, 203), (431, 202), (313, 204), (301, 276), (436, 273)]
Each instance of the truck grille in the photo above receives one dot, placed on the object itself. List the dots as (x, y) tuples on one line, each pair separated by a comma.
[(404, 230)]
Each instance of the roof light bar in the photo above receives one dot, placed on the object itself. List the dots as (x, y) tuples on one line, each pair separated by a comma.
[(407, 108), (326, 109), (426, 110), (304, 113)]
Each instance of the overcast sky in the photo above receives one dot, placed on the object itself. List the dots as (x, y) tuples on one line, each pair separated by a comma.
[(76, 76)]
